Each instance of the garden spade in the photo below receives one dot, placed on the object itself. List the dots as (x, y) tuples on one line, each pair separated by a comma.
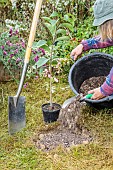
[(72, 99), (16, 104)]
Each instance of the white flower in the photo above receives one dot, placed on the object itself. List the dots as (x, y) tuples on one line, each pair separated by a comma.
[(55, 79)]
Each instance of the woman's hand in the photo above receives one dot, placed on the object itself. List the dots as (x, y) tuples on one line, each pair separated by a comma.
[(77, 51), (96, 94)]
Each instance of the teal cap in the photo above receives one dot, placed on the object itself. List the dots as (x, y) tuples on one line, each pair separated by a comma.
[(103, 11)]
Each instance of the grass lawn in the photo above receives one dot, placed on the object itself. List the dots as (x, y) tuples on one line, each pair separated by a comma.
[(18, 152)]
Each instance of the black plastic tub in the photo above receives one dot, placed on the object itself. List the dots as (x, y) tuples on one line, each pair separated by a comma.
[(92, 65)]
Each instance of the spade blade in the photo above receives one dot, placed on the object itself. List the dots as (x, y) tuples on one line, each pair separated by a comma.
[(16, 115)]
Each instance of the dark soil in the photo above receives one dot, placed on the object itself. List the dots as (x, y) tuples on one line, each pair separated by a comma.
[(71, 130), (91, 83), (54, 107)]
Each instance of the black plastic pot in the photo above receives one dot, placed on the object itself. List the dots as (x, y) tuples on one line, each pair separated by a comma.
[(92, 65), (50, 115)]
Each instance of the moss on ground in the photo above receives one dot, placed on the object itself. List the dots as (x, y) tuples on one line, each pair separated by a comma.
[(18, 152)]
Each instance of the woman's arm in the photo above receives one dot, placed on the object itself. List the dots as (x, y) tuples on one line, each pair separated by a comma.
[(91, 43), (95, 43), (107, 87)]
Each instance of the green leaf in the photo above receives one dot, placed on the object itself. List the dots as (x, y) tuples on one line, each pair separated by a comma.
[(67, 25), (64, 38), (51, 28), (53, 22), (54, 14), (66, 17), (61, 31), (46, 18), (48, 25), (54, 62), (41, 69), (41, 62), (54, 57), (39, 44), (46, 48), (70, 18)]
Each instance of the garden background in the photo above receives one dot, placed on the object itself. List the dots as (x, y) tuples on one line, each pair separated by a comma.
[(75, 20)]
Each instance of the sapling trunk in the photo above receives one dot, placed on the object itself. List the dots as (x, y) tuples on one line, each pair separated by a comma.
[(50, 69), (50, 87)]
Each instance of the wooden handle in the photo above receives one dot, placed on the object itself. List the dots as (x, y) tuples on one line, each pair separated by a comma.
[(33, 30)]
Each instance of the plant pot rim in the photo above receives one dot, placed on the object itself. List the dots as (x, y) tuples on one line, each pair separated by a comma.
[(53, 104)]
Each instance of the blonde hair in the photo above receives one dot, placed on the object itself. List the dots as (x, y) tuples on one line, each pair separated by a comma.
[(106, 30)]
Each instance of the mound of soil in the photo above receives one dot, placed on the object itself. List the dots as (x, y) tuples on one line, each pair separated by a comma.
[(71, 130)]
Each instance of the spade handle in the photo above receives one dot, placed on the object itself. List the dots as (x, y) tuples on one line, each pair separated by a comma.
[(33, 30), (29, 46)]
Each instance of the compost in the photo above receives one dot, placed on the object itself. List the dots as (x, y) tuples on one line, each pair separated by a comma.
[(71, 130), (91, 83)]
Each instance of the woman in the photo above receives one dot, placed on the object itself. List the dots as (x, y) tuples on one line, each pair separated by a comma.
[(103, 18)]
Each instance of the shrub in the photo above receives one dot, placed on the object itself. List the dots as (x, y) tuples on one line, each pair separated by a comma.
[(12, 52)]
